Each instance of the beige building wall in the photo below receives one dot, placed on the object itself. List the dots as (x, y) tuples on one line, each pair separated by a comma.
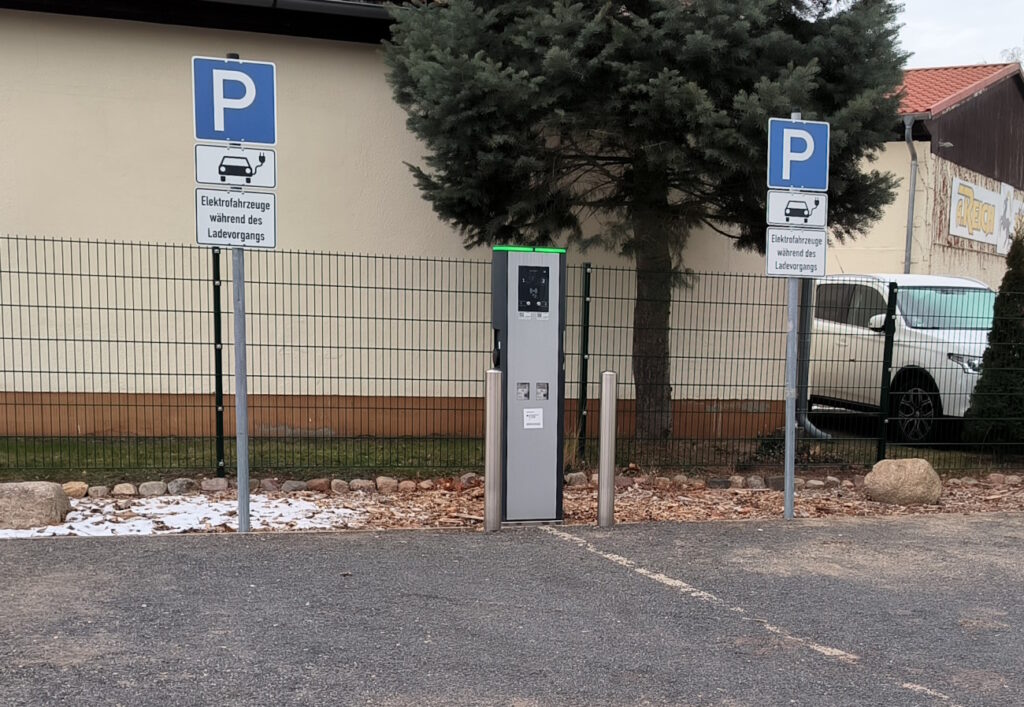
[(882, 249), (97, 118)]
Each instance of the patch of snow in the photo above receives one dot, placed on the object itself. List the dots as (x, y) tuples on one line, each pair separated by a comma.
[(188, 514)]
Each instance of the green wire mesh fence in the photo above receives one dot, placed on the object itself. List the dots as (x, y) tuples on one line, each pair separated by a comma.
[(117, 357)]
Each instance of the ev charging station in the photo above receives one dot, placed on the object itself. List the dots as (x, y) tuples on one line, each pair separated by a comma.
[(528, 318)]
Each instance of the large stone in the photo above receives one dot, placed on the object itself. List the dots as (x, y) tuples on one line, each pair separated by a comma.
[(319, 485), (718, 482), (680, 481), (124, 490), (777, 483), (737, 482), (406, 486), (755, 482), (339, 486), (214, 485), (152, 488), (269, 485), (362, 485), (76, 489), (292, 485), (32, 504), (425, 485), (662, 482), (994, 479), (903, 482), (387, 484), (98, 491), (469, 479), (1013, 480), (182, 486), (832, 482), (814, 484), (576, 478)]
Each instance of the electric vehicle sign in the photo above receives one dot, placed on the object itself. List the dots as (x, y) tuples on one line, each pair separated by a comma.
[(799, 209), (234, 101), (798, 154), (233, 166)]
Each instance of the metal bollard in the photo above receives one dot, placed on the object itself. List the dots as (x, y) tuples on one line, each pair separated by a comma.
[(606, 470), (492, 452)]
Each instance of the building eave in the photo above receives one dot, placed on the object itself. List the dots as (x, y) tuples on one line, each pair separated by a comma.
[(341, 20)]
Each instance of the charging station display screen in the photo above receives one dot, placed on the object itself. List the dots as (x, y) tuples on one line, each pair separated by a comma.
[(534, 282)]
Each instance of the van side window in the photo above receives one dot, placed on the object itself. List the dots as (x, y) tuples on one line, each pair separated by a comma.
[(865, 303), (832, 302)]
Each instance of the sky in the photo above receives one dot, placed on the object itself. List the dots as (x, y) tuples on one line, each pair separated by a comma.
[(955, 32)]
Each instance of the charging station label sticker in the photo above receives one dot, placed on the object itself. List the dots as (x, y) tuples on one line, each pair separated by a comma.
[(533, 418)]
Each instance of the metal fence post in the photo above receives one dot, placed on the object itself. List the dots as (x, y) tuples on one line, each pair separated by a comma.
[(492, 452), (218, 363), (606, 471), (581, 422), (792, 316), (241, 389), (883, 406)]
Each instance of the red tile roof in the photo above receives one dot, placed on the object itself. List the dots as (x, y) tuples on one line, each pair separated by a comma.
[(934, 91)]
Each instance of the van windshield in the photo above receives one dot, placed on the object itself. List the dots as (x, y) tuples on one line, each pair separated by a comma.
[(946, 307)]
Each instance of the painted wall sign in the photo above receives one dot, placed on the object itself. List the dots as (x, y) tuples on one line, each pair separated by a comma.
[(984, 215)]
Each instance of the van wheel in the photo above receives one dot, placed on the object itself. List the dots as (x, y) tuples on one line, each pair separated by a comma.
[(916, 410)]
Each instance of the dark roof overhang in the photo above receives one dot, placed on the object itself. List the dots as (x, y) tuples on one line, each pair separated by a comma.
[(344, 20)]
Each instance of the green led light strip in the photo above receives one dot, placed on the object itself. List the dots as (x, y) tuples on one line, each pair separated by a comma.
[(527, 249)]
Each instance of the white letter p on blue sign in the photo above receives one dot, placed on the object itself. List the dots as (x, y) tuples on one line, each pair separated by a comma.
[(221, 102), (789, 155), (234, 101), (798, 154)]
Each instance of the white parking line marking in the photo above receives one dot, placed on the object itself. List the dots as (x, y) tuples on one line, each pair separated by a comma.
[(709, 598), (922, 690), (699, 594)]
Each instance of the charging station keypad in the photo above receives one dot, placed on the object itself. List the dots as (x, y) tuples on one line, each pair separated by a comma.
[(533, 288)]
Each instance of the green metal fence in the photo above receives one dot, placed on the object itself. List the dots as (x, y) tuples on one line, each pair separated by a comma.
[(116, 359)]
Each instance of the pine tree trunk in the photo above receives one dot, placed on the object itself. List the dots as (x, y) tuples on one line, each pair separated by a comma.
[(650, 338)]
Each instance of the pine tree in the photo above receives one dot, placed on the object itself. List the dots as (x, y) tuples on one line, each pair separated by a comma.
[(996, 414), (644, 119)]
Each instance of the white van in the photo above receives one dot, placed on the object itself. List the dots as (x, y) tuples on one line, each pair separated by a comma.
[(942, 326)]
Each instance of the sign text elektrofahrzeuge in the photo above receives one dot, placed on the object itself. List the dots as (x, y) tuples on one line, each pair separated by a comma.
[(244, 218), (793, 252)]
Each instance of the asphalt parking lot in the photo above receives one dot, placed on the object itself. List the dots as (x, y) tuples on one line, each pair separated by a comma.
[(908, 611)]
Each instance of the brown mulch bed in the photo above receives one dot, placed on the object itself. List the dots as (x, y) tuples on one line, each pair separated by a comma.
[(444, 508)]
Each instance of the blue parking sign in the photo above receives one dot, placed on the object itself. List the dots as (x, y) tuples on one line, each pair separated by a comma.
[(798, 154), (234, 101)]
